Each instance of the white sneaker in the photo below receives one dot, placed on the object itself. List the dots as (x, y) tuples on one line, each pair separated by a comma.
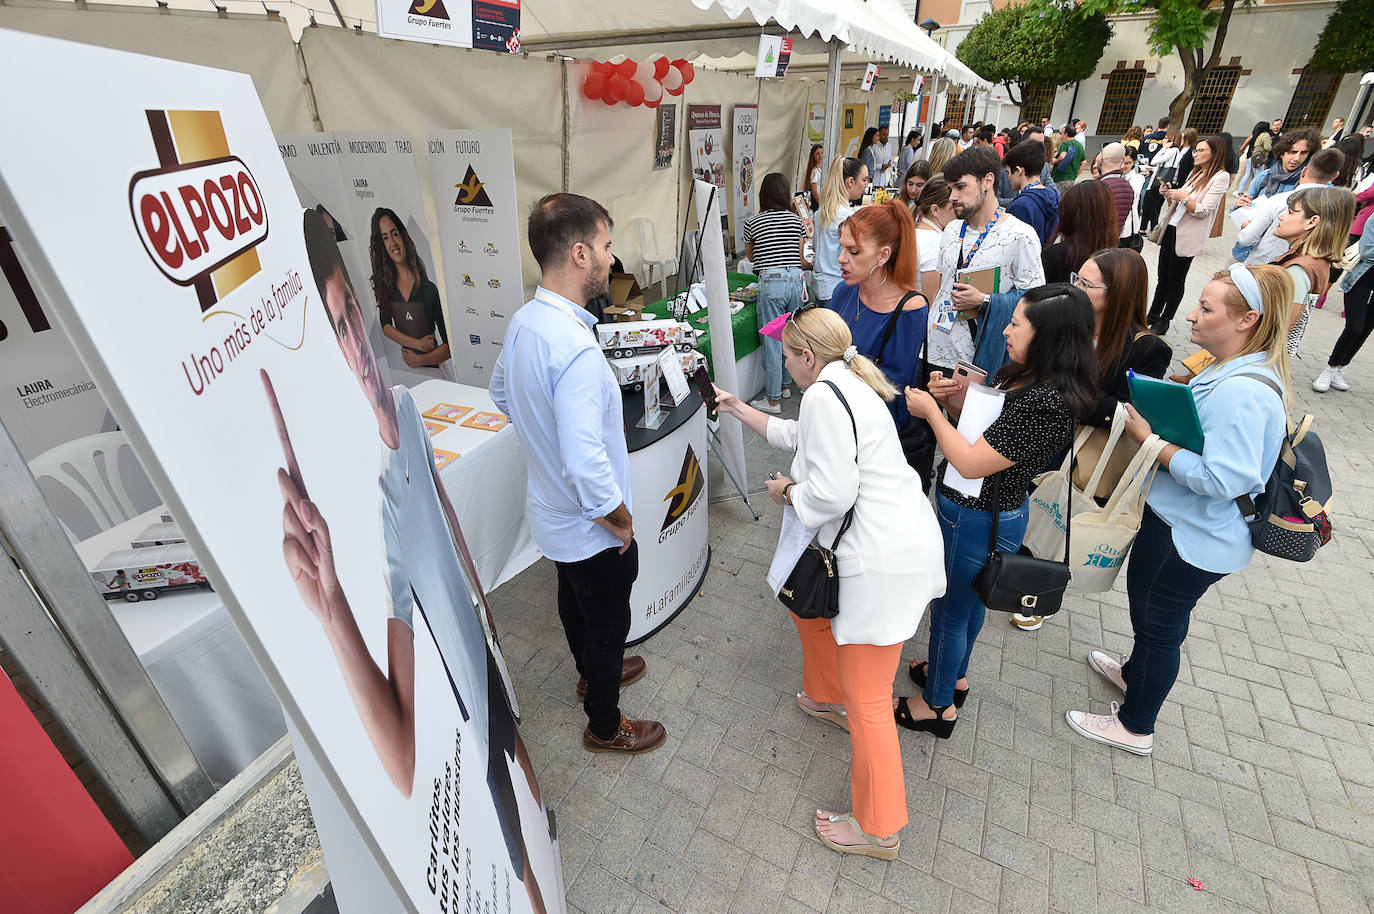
[(1108, 668), (1338, 380), (1322, 383), (1105, 728), (787, 391), (764, 405), (1027, 623)]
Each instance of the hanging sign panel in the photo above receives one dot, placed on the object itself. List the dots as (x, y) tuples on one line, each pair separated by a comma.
[(479, 233), (492, 25), (225, 329), (746, 190), (775, 52)]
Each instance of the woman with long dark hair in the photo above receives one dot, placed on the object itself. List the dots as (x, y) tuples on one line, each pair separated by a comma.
[(1087, 223), (815, 174), (1192, 207), (1115, 281), (1050, 380), (871, 153), (774, 241), (407, 301), (913, 182), (1352, 147)]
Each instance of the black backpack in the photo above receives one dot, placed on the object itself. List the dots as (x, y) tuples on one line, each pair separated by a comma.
[(1289, 519)]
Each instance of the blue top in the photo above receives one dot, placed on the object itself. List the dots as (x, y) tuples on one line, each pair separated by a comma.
[(902, 356), (562, 398), (827, 263), (1257, 185), (1243, 425), (1037, 205)]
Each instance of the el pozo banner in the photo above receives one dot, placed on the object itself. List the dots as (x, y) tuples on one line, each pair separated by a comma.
[(225, 329)]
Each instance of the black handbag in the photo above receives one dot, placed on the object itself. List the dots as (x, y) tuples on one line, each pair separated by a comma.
[(812, 590), (1012, 582), (916, 437)]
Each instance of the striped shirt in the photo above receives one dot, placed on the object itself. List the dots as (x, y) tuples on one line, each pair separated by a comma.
[(776, 236)]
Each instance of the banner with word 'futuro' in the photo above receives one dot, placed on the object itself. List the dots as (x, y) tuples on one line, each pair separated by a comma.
[(225, 329), (479, 233)]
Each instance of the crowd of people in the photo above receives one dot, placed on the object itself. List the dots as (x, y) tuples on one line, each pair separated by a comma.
[(1012, 257)]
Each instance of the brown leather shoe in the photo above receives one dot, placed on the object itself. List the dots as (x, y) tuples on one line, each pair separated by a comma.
[(633, 737), (632, 670)]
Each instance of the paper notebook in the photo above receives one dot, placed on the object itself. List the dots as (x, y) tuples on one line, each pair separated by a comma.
[(1169, 408)]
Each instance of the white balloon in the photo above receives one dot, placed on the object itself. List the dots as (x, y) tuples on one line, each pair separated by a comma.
[(672, 80), (653, 89), (644, 72)]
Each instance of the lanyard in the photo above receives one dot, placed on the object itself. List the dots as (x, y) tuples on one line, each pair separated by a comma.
[(548, 298), (965, 260)]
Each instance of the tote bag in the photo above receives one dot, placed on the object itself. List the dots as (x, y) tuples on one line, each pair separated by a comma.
[(1046, 524), (1101, 539), (1109, 445)]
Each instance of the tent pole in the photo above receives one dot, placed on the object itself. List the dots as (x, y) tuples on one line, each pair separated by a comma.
[(832, 103), (930, 112)]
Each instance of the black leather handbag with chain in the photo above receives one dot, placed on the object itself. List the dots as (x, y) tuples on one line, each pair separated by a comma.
[(1016, 583), (812, 590)]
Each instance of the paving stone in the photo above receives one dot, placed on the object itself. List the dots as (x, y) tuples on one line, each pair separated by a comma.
[(707, 897), (1206, 830), (1229, 881), (915, 890), (717, 857), (1008, 805), (1016, 852), (1336, 891), (980, 877), (1148, 800), (1165, 892), (961, 823), (1163, 845), (1023, 895), (1119, 867), (597, 890), (1246, 813), (850, 896), (661, 877), (1073, 884)]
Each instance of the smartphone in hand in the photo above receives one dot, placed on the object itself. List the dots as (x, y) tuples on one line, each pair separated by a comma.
[(966, 374), (706, 388)]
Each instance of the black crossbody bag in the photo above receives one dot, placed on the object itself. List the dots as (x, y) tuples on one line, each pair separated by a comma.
[(916, 437), (812, 590), (1015, 583)]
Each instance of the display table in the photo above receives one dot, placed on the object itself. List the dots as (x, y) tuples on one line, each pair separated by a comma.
[(668, 500), (486, 485), (743, 322), (198, 661)]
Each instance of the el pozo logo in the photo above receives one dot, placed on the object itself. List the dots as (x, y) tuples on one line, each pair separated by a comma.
[(683, 497), (200, 213)]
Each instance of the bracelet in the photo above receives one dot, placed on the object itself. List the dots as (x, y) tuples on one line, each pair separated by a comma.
[(786, 492)]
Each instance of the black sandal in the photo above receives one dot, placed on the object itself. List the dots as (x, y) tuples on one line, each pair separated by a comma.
[(920, 671), (940, 726)]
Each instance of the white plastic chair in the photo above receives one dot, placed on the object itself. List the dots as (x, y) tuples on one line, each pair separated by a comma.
[(652, 259), (88, 468)]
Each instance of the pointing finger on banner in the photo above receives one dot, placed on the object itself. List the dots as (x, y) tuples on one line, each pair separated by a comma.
[(292, 467)]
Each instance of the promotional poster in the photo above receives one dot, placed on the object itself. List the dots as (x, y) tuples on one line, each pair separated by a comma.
[(746, 189), (401, 285), (775, 52), (47, 397), (707, 142), (852, 128), (665, 136), (815, 124), (234, 357), (492, 25), (473, 173), (313, 161)]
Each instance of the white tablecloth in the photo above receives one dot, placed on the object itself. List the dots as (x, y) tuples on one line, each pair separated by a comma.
[(199, 662)]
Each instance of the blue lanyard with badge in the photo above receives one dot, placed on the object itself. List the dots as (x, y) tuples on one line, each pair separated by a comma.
[(948, 314)]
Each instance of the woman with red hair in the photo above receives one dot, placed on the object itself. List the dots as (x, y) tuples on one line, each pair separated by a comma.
[(886, 315)]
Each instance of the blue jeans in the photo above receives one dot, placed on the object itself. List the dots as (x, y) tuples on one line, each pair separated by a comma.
[(957, 617), (1163, 590), (780, 291)]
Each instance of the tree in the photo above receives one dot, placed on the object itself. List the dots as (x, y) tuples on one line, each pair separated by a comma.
[(1180, 26), (1035, 42), (1346, 45)]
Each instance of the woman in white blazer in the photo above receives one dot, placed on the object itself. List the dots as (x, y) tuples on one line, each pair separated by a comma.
[(891, 562)]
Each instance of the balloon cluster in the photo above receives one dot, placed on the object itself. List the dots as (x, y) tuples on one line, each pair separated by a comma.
[(637, 82)]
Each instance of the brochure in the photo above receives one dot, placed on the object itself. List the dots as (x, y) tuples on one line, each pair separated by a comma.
[(446, 412), (491, 422)]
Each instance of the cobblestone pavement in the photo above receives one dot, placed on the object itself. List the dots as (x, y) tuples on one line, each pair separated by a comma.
[(1261, 784)]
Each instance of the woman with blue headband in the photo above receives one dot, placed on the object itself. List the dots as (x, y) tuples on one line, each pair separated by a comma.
[(1192, 534)]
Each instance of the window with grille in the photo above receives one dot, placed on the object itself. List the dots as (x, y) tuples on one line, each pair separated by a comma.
[(1311, 99), (1037, 101), (1121, 101), (956, 110), (1213, 100)]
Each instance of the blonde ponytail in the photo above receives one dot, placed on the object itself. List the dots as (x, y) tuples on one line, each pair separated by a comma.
[(827, 336)]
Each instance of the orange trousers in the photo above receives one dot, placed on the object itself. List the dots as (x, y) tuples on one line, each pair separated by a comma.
[(859, 676)]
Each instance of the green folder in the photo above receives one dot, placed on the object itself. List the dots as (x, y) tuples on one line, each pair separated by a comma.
[(1170, 409)]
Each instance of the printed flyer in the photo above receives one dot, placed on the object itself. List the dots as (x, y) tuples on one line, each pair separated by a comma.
[(473, 175), (225, 330)]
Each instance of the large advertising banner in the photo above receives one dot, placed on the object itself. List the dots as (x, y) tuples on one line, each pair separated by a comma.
[(313, 162), (815, 124), (47, 396), (479, 234), (401, 284), (492, 25), (226, 332), (707, 142), (746, 191)]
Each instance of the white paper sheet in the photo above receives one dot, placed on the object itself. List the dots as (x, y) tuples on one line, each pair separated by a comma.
[(982, 405), (1241, 215), (792, 542), (670, 366)]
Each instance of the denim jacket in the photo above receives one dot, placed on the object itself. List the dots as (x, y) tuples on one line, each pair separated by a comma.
[(1366, 261)]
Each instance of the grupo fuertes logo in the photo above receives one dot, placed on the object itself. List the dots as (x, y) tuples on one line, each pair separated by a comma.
[(683, 496), (200, 213)]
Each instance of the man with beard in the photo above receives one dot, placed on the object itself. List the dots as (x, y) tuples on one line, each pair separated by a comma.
[(982, 235), (563, 399)]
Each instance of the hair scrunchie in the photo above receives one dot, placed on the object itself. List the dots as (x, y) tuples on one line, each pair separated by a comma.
[(849, 354)]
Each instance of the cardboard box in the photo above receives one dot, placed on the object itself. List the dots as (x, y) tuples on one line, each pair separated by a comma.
[(625, 291)]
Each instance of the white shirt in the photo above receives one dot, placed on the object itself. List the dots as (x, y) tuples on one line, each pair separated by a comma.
[(1264, 221), (892, 557), (1011, 245)]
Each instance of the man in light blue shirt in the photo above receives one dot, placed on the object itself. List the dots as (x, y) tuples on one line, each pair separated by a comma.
[(553, 382)]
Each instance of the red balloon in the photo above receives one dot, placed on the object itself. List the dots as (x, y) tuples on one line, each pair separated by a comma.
[(617, 87), (607, 100), (634, 93), (626, 68), (600, 66), (689, 72), (594, 86), (661, 66)]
